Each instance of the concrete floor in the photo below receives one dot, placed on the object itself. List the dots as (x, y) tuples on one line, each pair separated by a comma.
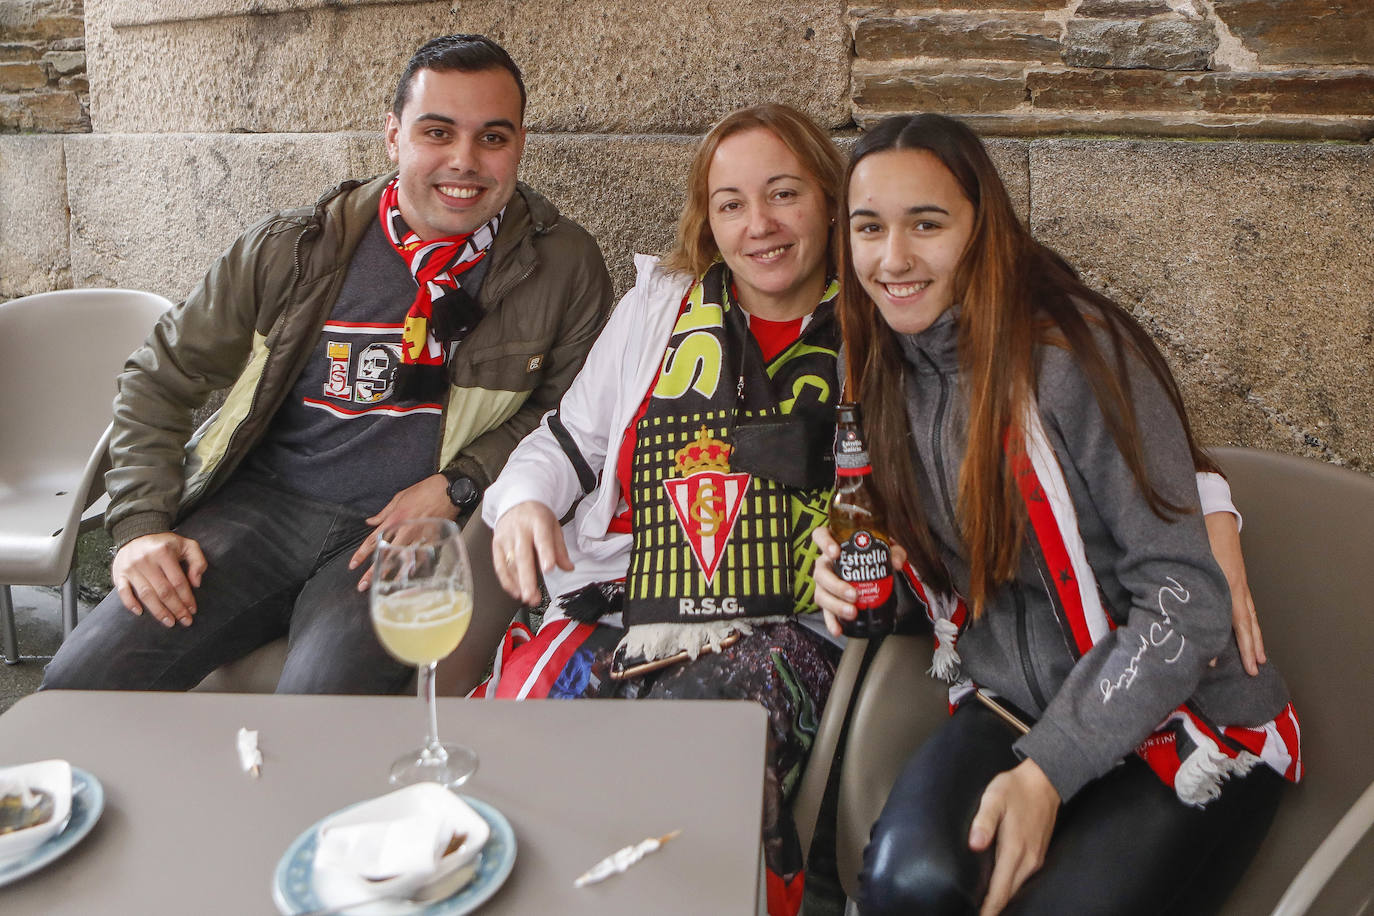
[(38, 615)]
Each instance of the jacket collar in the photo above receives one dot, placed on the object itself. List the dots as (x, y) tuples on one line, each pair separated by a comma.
[(528, 215), (936, 349)]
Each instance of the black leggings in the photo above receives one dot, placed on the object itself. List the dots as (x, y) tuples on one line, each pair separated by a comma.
[(1124, 844)]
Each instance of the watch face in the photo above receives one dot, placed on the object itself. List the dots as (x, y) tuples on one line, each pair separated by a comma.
[(463, 493)]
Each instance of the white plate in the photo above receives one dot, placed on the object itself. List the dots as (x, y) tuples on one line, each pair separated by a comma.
[(293, 885), (88, 801)]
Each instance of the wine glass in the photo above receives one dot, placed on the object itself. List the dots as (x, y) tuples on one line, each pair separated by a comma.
[(421, 605)]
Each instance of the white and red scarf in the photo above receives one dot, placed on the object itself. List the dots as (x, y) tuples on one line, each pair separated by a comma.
[(443, 313), (1187, 751)]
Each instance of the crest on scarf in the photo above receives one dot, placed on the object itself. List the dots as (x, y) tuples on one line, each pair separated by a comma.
[(706, 498)]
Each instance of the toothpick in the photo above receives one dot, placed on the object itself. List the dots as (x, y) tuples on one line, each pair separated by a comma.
[(622, 859)]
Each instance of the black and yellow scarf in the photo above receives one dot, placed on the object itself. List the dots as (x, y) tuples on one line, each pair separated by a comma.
[(732, 468)]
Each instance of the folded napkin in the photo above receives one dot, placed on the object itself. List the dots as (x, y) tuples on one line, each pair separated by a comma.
[(394, 846), (379, 850)]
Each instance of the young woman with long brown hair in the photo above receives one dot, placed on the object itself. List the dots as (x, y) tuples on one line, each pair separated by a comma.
[(1035, 458)]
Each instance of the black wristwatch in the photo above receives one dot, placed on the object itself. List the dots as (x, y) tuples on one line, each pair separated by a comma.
[(463, 493)]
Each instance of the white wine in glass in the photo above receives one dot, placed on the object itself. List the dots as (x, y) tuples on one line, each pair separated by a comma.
[(421, 606)]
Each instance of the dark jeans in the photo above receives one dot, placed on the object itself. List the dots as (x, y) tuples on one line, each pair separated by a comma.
[(278, 566), (1123, 845)]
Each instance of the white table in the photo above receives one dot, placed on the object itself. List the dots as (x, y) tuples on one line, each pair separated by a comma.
[(185, 831)]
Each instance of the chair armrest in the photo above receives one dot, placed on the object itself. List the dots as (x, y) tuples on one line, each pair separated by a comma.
[(898, 707), (1323, 863), (806, 805), (95, 500)]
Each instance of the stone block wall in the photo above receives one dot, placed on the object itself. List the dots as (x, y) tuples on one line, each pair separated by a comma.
[(1181, 68), (1247, 259), (43, 83), (35, 251), (330, 65)]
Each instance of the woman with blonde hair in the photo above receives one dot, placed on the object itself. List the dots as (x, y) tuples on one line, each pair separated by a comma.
[(691, 452), (1036, 462)]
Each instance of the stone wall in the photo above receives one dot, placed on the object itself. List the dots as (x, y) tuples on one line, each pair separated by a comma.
[(605, 67), (1181, 68), (1247, 259), (43, 66)]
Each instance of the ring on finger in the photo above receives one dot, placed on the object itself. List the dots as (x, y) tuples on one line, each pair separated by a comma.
[(510, 557)]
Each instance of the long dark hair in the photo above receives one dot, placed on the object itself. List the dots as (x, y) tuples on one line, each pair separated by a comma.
[(1014, 294)]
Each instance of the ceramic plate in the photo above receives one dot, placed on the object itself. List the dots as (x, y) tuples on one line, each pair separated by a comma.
[(293, 888), (88, 800)]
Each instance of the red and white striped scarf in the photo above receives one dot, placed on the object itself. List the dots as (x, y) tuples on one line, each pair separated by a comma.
[(1187, 751), (442, 313)]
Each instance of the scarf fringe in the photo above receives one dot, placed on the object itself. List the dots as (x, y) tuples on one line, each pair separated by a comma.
[(594, 601), (1200, 776), (652, 641), (945, 661), (455, 313), (419, 382)]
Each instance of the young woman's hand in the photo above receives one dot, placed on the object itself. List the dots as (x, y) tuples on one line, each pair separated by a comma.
[(833, 594), (1223, 532), (1018, 811)]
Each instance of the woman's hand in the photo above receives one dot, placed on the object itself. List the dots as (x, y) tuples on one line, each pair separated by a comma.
[(833, 594), (1018, 810), (527, 539), (1223, 532)]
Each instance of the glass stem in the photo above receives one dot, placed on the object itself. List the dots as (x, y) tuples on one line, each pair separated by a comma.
[(433, 749)]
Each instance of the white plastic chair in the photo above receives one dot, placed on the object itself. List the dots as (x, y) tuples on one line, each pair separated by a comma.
[(60, 353)]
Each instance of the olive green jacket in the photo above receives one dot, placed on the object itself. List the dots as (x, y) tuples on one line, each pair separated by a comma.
[(253, 321)]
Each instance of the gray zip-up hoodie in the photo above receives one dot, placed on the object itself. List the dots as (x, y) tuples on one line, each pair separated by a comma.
[(1152, 572)]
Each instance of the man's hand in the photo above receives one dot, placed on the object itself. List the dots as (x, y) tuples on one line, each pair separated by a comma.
[(833, 594), (426, 499), (526, 535), (1018, 809), (1223, 533), (157, 572)]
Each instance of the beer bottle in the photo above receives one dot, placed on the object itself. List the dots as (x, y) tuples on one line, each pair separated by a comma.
[(857, 523)]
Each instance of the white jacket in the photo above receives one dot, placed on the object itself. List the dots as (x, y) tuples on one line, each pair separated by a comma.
[(596, 411)]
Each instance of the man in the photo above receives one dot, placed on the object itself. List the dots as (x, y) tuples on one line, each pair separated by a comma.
[(384, 351)]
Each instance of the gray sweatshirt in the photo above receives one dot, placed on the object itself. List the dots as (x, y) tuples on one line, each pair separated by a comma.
[(1152, 572)]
